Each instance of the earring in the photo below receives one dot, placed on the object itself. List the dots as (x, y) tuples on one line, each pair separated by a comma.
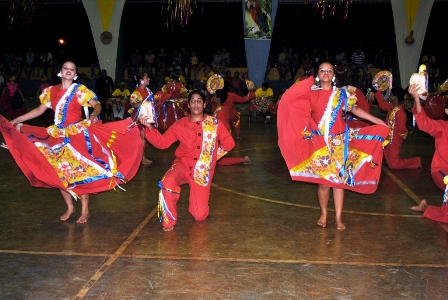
[(317, 78), (59, 74), (142, 82), (333, 79), (76, 77)]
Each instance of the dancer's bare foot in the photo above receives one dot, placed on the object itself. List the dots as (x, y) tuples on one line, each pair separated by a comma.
[(421, 207), (340, 225), (322, 222), (146, 161), (246, 160), (166, 229), (67, 214), (83, 218)]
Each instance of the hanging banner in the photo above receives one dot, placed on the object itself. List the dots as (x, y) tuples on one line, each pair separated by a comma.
[(407, 18), (105, 20), (411, 12), (258, 17)]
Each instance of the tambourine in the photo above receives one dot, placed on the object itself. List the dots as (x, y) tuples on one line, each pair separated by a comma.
[(214, 83), (420, 80), (250, 85), (382, 81), (147, 109)]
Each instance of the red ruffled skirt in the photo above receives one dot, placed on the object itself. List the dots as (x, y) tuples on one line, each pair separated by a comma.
[(92, 161), (308, 158)]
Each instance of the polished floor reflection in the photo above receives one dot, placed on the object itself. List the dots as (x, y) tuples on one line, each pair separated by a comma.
[(260, 241)]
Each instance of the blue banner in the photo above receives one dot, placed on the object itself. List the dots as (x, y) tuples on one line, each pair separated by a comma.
[(258, 17)]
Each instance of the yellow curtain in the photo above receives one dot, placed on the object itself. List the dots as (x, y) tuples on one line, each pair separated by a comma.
[(411, 12), (105, 8)]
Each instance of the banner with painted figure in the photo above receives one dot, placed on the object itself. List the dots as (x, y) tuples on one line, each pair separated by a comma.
[(258, 17)]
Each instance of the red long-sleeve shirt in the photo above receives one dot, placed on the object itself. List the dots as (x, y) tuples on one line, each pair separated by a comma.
[(233, 98), (191, 137), (399, 127), (439, 130)]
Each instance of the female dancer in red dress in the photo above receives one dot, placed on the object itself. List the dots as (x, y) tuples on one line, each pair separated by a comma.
[(318, 146), (79, 157), (140, 94), (12, 100)]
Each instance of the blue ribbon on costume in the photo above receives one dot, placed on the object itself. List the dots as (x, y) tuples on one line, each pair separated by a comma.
[(66, 140), (100, 161), (343, 97), (349, 178), (445, 193), (369, 137), (151, 98), (64, 112), (137, 113), (163, 208), (165, 114), (175, 112), (89, 149), (91, 179), (65, 109)]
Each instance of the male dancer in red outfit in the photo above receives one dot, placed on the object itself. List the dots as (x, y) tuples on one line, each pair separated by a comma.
[(235, 119), (396, 120), (439, 165), (221, 112), (203, 141)]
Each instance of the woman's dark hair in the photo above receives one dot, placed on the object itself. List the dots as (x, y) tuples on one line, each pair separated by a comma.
[(137, 77), (326, 62), (221, 95), (399, 92), (201, 94)]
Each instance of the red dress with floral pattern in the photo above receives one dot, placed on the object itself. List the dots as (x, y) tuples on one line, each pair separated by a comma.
[(318, 146), (74, 154)]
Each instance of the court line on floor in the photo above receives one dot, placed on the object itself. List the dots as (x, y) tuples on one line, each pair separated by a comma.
[(309, 206), (85, 254), (410, 193), (285, 261), (225, 259), (402, 186), (103, 268), (252, 149)]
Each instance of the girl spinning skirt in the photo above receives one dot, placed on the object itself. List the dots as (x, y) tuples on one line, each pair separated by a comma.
[(74, 155), (317, 144)]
